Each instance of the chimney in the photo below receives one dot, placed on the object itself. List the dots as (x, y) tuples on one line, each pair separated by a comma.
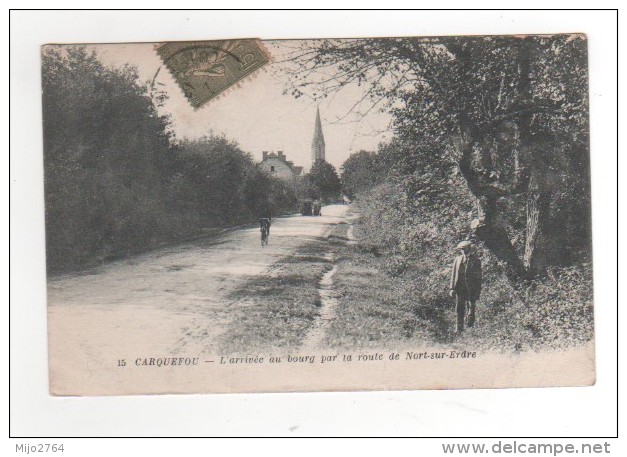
[(265, 155), (281, 155)]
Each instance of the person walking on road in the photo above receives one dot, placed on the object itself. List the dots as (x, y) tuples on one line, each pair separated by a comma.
[(465, 285)]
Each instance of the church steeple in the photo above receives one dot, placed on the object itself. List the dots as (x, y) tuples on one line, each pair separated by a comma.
[(317, 145)]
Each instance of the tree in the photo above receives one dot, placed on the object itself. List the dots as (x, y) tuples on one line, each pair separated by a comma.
[(214, 175), (360, 172), (324, 180), (503, 112), (219, 184), (105, 149), (117, 180)]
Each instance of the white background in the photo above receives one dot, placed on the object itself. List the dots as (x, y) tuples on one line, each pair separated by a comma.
[(576, 412)]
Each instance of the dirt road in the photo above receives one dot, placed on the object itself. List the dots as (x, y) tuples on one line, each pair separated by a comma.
[(153, 303)]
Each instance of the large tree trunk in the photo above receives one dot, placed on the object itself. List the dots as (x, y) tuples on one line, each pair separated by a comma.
[(537, 253), (490, 230), (488, 227)]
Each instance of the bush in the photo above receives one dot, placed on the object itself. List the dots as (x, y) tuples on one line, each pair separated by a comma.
[(116, 179), (413, 222), (559, 308)]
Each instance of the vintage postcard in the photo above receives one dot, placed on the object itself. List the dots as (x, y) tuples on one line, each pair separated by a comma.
[(318, 215)]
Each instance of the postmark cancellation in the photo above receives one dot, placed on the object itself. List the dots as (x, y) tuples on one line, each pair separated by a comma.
[(204, 69)]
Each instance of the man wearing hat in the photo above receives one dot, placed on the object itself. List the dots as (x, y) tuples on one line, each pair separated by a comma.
[(466, 284)]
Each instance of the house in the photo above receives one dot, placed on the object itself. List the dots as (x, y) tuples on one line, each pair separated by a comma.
[(277, 165)]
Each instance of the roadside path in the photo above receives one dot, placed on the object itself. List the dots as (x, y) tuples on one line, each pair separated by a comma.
[(150, 304)]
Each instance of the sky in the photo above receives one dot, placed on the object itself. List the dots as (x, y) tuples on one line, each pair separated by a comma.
[(256, 114)]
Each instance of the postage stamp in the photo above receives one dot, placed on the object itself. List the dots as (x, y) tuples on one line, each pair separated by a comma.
[(204, 69)]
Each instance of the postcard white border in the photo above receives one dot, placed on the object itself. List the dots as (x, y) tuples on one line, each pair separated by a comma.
[(511, 412)]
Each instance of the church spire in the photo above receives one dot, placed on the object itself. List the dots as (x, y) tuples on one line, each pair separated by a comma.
[(317, 145)]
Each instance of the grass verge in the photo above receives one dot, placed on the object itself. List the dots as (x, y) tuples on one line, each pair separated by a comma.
[(274, 312), (380, 308)]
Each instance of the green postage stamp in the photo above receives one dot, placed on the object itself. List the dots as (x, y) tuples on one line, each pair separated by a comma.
[(204, 69)]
